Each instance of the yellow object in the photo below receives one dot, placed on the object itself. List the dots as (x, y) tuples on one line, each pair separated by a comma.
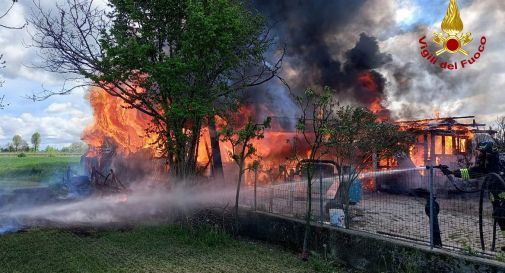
[(452, 25), (465, 174)]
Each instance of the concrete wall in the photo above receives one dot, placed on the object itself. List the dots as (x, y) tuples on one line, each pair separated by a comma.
[(361, 250)]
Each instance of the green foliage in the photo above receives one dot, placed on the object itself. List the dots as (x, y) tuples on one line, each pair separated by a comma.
[(32, 169), (356, 137), (314, 125), (240, 138), (185, 55), (17, 141), (179, 62), (36, 139), (76, 147), (241, 147), (145, 249), (500, 256), (22, 155)]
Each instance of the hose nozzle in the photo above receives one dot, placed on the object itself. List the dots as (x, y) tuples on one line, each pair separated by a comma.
[(441, 167)]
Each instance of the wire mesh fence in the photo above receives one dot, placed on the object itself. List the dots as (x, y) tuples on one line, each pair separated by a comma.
[(394, 204)]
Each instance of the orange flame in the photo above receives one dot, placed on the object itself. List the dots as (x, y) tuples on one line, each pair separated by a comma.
[(375, 105), (114, 120)]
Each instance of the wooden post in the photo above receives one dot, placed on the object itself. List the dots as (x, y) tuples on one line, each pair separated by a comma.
[(443, 144), (454, 150), (425, 137), (433, 157)]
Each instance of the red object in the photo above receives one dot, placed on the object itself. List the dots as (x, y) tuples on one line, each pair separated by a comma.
[(452, 44)]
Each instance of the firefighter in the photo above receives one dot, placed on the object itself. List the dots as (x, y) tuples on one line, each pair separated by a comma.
[(487, 164)]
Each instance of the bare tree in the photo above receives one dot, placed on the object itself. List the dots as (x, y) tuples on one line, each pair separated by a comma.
[(2, 104), (2, 61), (4, 14), (499, 137)]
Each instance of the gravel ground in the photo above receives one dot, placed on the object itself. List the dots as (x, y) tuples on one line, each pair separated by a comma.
[(395, 215)]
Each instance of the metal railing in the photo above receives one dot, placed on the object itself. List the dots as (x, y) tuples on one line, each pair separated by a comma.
[(420, 206)]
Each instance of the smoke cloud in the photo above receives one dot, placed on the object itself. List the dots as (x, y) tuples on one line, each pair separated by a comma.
[(145, 203), (320, 51)]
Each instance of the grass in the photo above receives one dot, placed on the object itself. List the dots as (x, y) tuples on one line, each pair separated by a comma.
[(33, 169), (146, 249)]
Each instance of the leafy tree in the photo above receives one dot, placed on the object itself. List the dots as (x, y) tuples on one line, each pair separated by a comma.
[(36, 141), (17, 141), (76, 147), (179, 62), (242, 149), (355, 136), (314, 123), (24, 146)]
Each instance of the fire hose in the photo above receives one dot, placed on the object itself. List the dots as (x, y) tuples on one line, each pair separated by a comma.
[(490, 179), (496, 178)]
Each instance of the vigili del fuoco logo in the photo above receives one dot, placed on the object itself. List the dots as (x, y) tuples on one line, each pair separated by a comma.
[(452, 41)]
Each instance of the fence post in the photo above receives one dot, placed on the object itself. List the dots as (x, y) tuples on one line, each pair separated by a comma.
[(271, 200), (321, 213), (255, 180), (291, 200), (432, 242)]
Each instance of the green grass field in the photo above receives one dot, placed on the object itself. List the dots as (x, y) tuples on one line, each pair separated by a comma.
[(146, 249), (33, 169)]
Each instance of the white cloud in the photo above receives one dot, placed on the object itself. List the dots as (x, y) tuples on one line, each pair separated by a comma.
[(66, 108), (405, 12), (418, 89), (61, 126)]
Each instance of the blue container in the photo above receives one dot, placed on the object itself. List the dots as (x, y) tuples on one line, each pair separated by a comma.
[(355, 191)]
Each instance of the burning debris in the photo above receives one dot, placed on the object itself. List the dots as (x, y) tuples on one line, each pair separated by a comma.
[(444, 140), (441, 140)]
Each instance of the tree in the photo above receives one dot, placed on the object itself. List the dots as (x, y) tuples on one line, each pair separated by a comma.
[(2, 98), (355, 136), (4, 13), (76, 147), (36, 141), (499, 137), (17, 141), (242, 149), (314, 125), (2, 62), (179, 62)]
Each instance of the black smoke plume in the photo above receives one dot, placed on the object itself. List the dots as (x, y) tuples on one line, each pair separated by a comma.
[(307, 28)]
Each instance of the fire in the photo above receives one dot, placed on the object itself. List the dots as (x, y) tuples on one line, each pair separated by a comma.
[(440, 140), (368, 81), (126, 127)]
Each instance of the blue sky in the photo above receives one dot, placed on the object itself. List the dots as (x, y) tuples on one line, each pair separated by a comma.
[(61, 119)]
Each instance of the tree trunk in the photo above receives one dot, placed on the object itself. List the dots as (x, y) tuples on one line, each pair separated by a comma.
[(237, 195), (217, 162), (307, 216)]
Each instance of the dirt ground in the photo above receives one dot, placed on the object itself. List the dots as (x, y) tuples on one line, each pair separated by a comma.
[(395, 215)]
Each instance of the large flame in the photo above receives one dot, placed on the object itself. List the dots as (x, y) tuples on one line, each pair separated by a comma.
[(114, 120), (452, 23), (368, 81)]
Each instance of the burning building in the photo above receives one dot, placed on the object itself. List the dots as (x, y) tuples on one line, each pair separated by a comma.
[(442, 140), (447, 141)]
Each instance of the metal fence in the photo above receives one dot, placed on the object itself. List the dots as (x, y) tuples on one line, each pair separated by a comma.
[(397, 204)]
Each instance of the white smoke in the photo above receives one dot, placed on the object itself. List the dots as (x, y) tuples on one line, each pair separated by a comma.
[(142, 204)]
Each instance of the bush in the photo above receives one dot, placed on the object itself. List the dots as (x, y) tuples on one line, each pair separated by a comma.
[(22, 155)]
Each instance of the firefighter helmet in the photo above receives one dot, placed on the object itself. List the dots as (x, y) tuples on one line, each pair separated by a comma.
[(486, 146)]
